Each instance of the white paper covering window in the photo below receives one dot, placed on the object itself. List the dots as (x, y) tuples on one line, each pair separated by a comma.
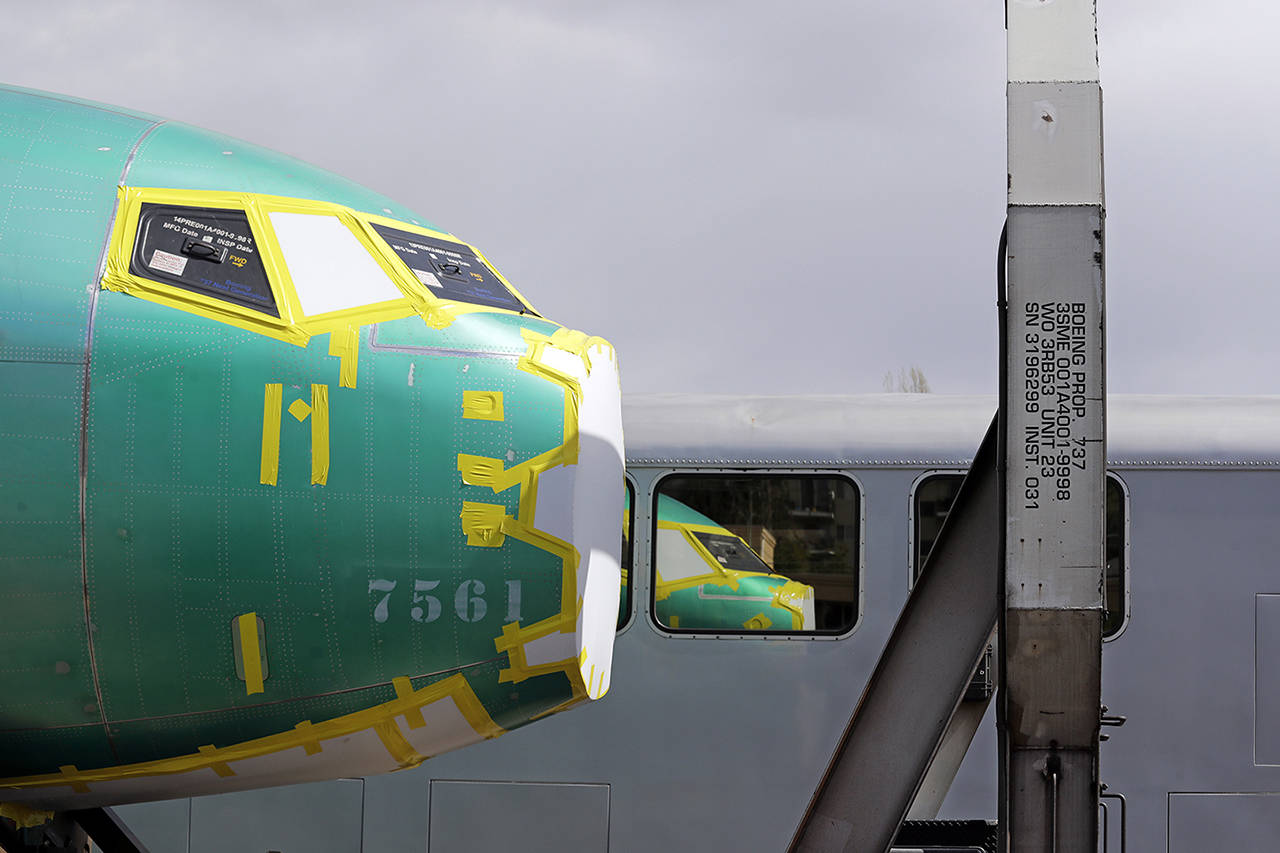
[(331, 269)]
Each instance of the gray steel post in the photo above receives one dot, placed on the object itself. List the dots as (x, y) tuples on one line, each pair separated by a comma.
[(909, 701), (1054, 407)]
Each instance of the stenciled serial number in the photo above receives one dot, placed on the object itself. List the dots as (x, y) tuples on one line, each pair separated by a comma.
[(469, 603), (1055, 396)]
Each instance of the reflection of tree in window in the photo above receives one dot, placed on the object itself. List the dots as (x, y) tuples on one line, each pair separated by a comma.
[(935, 495), (801, 527)]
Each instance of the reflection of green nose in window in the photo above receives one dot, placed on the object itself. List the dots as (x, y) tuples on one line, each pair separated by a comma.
[(752, 553)]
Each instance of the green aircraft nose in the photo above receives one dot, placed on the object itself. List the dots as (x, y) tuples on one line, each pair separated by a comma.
[(317, 491)]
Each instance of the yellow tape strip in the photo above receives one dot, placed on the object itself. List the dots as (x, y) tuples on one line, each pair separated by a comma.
[(272, 398), (70, 772), (310, 746), (25, 816), (247, 625), (483, 524), (219, 767), (412, 716), (530, 535), (454, 687), (485, 471), (482, 405), (531, 362), (759, 622), (345, 343), (319, 434), (790, 597), (291, 325), (397, 746)]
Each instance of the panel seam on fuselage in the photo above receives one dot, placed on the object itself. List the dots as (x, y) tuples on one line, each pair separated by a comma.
[(440, 351), (453, 670), (94, 291)]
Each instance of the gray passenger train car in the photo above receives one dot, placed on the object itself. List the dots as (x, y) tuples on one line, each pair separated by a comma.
[(714, 737)]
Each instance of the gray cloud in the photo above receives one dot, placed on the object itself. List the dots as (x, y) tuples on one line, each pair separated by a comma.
[(764, 197)]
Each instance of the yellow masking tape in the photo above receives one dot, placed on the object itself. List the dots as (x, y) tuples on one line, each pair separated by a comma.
[(311, 747), (454, 687), (219, 767), (483, 523), (413, 716), (272, 398), (309, 736), (299, 410), (759, 622), (291, 324), (345, 343), (493, 473), (717, 574), (25, 816), (397, 746), (531, 362), (319, 434), (482, 405), (70, 771), (247, 623), (790, 597), (530, 535)]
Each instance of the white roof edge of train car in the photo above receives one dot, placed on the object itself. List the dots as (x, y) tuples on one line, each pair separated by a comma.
[(931, 430)]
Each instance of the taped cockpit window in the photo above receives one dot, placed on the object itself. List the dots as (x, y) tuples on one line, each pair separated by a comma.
[(731, 552), (205, 250), (330, 268), (449, 270)]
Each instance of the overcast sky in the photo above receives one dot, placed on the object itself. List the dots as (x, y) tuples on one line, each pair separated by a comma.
[(745, 196)]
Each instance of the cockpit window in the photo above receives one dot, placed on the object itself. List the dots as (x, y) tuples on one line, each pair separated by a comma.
[(292, 268), (731, 552), (330, 268), (449, 270), (210, 251)]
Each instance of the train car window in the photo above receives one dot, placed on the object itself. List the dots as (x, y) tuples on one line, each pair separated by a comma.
[(756, 553), (628, 548), (205, 250), (935, 494), (449, 270), (331, 269), (1117, 576)]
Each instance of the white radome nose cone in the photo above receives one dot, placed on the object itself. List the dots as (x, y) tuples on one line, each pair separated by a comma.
[(583, 505)]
